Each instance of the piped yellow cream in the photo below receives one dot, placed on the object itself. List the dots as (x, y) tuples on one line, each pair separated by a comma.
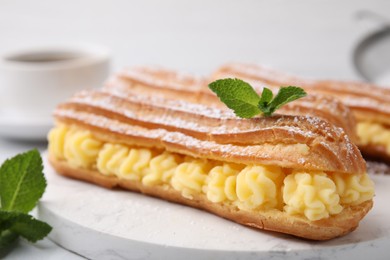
[(315, 195), (373, 133)]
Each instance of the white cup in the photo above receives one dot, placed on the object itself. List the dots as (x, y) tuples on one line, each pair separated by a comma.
[(34, 81)]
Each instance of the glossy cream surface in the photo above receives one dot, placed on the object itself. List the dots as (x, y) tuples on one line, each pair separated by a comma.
[(315, 195)]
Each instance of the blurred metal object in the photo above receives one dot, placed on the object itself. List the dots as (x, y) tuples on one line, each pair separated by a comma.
[(371, 56)]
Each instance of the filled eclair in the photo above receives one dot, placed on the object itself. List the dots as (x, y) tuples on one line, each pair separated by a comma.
[(298, 175)]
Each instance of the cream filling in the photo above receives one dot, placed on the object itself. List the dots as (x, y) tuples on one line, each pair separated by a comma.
[(315, 195), (373, 133)]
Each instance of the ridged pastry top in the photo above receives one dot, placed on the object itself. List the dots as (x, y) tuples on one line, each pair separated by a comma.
[(170, 84), (364, 99), (299, 142)]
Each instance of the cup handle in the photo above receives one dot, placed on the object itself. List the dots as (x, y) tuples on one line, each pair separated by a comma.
[(378, 25)]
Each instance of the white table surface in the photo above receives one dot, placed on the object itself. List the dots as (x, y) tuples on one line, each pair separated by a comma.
[(125, 224), (312, 38)]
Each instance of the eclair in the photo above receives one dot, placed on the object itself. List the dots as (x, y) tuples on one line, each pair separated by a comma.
[(370, 104), (297, 175)]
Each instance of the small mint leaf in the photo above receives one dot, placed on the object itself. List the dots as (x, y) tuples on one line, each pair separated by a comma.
[(266, 97), (286, 95), (24, 225), (22, 182), (238, 96)]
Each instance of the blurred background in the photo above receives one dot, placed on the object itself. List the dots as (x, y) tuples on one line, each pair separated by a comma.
[(311, 38), (348, 39)]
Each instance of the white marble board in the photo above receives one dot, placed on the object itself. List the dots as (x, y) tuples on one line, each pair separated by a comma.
[(114, 224)]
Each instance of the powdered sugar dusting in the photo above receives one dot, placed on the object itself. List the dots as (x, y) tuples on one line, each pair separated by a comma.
[(215, 121), (268, 154)]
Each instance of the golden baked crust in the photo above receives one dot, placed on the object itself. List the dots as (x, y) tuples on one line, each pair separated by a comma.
[(367, 102), (272, 220), (170, 84), (205, 132)]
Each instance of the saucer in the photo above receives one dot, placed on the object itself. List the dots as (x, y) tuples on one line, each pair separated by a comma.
[(25, 130)]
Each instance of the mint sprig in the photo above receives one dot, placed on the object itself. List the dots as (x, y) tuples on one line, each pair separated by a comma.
[(240, 96), (22, 184)]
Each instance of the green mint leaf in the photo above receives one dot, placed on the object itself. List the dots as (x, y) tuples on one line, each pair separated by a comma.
[(7, 239), (24, 225), (246, 103), (238, 96), (22, 182), (266, 97), (286, 95)]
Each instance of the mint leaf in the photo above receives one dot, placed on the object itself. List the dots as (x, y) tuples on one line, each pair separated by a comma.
[(266, 97), (7, 239), (24, 225), (22, 182), (286, 95), (246, 103), (237, 95)]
